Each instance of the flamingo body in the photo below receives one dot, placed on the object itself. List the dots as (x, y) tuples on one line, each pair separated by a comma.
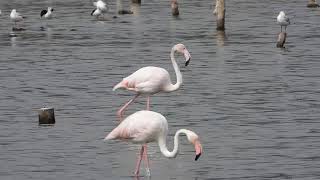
[(147, 80), (140, 128)]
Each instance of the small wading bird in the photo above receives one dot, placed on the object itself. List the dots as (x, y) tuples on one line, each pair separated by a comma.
[(15, 17), (283, 20), (147, 126), (101, 8), (46, 13)]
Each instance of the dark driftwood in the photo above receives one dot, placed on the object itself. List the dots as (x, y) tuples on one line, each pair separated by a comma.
[(124, 12), (281, 39), (312, 4), (46, 116)]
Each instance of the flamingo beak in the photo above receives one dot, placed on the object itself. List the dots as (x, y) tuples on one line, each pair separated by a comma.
[(187, 56), (198, 148)]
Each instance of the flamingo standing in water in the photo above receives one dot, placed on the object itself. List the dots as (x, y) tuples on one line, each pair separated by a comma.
[(147, 126), (151, 80)]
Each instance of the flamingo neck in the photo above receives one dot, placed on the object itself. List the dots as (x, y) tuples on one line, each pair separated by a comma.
[(163, 144), (173, 87)]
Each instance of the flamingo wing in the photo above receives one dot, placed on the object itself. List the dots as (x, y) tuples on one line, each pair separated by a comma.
[(146, 80)]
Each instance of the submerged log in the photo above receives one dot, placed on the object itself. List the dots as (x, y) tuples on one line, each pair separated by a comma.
[(136, 1), (46, 116)]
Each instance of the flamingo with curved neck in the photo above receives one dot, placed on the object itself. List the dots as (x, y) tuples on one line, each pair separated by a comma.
[(147, 126), (151, 80)]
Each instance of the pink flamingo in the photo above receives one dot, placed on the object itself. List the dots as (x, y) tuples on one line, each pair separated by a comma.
[(151, 80), (147, 126)]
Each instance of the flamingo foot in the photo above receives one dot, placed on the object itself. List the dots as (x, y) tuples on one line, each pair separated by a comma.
[(148, 172), (136, 173)]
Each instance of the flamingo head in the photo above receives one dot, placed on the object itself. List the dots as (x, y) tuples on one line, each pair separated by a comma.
[(193, 138), (181, 49)]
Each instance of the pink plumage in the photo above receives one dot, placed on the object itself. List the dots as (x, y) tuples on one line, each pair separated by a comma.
[(147, 126), (150, 80)]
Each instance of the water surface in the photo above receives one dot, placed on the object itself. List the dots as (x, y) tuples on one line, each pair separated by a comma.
[(255, 107)]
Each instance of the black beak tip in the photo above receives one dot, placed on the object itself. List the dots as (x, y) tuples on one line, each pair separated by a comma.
[(187, 62), (197, 156)]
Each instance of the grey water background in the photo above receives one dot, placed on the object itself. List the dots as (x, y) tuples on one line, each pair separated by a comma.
[(255, 106)]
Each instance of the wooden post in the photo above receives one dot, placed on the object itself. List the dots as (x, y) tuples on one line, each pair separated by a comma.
[(174, 7), (46, 116), (281, 39), (219, 11), (136, 1), (221, 36), (312, 4)]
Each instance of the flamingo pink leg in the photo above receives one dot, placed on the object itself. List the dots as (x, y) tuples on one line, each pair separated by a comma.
[(121, 110), (136, 172), (146, 160), (145, 154)]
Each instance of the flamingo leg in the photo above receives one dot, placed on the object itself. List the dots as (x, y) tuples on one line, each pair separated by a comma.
[(145, 154), (136, 172), (121, 110), (146, 160)]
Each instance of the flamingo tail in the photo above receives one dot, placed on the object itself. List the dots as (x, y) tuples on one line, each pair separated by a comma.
[(119, 85)]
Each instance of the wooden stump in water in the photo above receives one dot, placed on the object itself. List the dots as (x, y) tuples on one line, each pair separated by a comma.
[(174, 8), (281, 39), (312, 4), (136, 1), (122, 12), (46, 116), (219, 11)]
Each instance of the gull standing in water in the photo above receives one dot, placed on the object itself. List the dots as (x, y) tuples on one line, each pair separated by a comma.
[(101, 8), (46, 13), (15, 17), (283, 20)]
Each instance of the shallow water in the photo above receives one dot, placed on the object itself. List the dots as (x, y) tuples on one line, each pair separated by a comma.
[(256, 107)]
